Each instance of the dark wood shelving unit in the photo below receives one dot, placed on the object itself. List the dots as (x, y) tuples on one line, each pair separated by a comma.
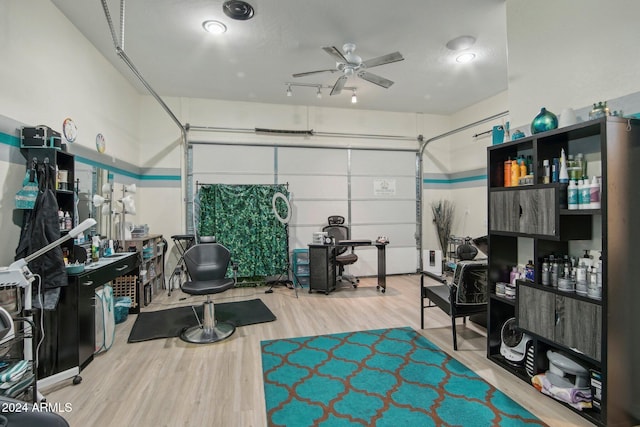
[(598, 334)]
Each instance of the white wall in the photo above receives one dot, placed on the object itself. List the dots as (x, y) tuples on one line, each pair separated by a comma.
[(50, 72), (570, 54), (460, 160)]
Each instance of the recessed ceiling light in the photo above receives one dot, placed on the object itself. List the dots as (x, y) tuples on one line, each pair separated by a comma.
[(460, 43), (465, 57), (238, 9), (214, 27)]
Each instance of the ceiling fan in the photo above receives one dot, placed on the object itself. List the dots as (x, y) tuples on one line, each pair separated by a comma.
[(350, 64)]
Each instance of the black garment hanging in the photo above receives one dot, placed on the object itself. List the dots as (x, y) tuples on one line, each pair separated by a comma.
[(40, 228)]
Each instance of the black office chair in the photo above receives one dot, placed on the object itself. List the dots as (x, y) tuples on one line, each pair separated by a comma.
[(207, 266), (338, 231)]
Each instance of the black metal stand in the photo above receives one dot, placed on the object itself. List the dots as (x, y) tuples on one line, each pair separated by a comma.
[(182, 242)]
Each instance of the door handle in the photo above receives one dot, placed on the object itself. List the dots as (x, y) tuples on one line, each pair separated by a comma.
[(89, 283), (123, 267)]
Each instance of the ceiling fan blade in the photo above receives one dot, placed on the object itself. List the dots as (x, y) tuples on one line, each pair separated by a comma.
[(333, 70), (337, 88), (337, 55), (380, 81), (384, 59)]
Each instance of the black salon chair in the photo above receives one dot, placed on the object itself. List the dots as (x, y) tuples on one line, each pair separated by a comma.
[(338, 231), (207, 265)]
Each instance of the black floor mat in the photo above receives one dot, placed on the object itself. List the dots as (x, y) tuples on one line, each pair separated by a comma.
[(169, 323)]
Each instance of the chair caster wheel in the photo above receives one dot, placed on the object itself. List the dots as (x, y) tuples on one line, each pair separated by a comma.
[(383, 290), (77, 380), (355, 285)]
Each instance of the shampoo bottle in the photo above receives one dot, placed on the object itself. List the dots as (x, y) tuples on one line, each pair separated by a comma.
[(594, 193), (572, 195)]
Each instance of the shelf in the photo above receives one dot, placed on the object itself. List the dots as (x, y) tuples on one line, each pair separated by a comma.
[(557, 291), (533, 222), (505, 300), (580, 212)]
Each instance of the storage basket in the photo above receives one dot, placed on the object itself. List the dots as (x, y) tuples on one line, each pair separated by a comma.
[(125, 286), (121, 307)]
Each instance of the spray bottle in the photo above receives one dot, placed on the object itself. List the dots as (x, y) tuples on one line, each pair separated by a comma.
[(95, 248)]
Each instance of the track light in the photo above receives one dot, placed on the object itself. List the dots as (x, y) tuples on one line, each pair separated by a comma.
[(318, 87), (131, 188)]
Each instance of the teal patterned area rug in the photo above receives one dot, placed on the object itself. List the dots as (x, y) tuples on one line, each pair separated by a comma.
[(387, 377)]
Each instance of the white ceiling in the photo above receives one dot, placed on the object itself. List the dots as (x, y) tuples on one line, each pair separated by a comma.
[(255, 59)]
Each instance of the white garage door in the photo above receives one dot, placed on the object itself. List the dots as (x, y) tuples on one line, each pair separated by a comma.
[(374, 189)]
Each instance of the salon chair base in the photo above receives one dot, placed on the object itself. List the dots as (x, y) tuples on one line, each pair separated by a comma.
[(210, 330), (201, 335)]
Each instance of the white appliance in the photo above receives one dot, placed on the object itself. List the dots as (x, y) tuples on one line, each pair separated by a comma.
[(514, 342), (7, 330)]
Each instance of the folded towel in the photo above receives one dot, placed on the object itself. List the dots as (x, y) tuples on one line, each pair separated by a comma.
[(579, 398), (14, 372)]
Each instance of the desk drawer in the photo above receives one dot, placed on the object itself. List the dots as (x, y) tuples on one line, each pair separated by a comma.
[(107, 273)]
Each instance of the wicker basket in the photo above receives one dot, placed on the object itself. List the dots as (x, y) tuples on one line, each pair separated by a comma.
[(125, 286)]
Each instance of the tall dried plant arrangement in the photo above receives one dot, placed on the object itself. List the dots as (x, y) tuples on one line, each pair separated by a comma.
[(443, 212)]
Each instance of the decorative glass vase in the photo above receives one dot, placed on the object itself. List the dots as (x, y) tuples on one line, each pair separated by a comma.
[(544, 121)]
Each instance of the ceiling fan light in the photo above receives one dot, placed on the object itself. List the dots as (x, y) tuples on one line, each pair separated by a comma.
[(289, 93), (354, 98), (214, 27), (319, 93)]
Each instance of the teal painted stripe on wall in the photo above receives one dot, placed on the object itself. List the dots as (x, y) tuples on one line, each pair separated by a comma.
[(160, 177), (12, 140), (454, 180)]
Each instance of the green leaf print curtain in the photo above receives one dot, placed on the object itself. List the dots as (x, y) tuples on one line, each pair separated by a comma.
[(241, 217)]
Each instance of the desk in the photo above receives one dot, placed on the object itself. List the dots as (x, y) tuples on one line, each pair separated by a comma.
[(69, 340), (322, 267)]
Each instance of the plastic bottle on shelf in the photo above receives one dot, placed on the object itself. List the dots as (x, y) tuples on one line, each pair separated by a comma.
[(513, 275), (594, 194), (95, 248), (67, 221), (555, 267), (546, 178), (61, 220), (563, 175), (507, 173), (572, 195), (515, 173), (546, 272), (584, 198), (530, 271), (555, 169), (523, 167)]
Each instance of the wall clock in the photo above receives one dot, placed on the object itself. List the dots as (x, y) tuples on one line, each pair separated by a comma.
[(69, 130), (101, 144)]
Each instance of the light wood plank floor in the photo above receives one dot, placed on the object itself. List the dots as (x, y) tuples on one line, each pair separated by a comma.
[(168, 382)]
